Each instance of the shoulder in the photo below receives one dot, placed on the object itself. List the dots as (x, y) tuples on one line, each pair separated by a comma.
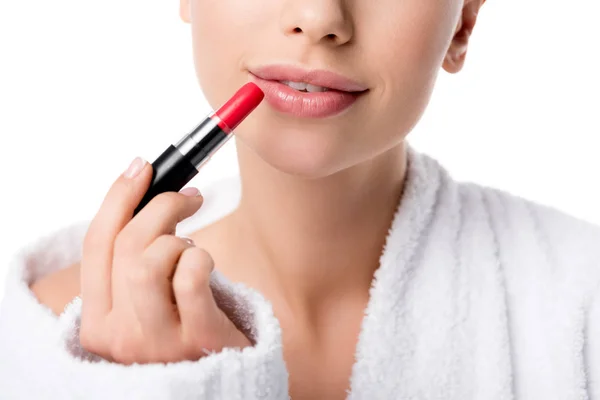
[(46, 271), (58, 288)]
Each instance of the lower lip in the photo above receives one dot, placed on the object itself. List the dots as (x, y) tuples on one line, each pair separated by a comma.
[(303, 104)]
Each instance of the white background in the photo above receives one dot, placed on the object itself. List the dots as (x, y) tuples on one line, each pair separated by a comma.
[(86, 86)]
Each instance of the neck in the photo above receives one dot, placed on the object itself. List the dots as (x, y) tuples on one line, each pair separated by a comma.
[(314, 238)]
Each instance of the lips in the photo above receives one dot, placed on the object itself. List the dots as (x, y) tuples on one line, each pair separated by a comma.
[(275, 81)]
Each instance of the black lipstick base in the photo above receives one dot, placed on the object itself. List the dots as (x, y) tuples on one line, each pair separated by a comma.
[(171, 172), (177, 165)]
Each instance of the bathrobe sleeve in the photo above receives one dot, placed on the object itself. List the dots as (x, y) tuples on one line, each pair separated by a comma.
[(41, 357)]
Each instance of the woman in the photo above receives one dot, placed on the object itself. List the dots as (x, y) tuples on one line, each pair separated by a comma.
[(344, 264)]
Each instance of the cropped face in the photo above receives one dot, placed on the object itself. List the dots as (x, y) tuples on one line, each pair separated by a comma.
[(345, 80)]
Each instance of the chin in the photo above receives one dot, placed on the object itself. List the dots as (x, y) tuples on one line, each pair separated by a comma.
[(305, 154)]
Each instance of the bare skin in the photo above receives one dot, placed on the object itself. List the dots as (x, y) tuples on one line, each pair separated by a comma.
[(57, 289), (317, 197)]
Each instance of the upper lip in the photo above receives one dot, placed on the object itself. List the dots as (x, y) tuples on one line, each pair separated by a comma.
[(316, 77)]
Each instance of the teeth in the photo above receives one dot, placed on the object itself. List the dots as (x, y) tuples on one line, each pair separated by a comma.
[(301, 86), (312, 88), (295, 85)]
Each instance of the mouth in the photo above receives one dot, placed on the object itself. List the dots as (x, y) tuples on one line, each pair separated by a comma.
[(305, 87), (307, 93)]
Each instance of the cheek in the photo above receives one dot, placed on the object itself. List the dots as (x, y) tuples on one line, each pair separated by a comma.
[(222, 33), (417, 34), (411, 39)]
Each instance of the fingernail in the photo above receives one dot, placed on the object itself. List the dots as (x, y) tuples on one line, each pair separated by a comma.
[(190, 191), (136, 166), (188, 240)]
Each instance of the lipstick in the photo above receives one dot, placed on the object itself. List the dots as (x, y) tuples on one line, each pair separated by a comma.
[(179, 163)]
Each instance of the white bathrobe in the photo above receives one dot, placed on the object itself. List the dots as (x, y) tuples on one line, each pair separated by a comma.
[(479, 295)]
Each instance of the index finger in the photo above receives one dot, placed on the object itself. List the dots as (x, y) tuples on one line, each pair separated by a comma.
[(115, 212)]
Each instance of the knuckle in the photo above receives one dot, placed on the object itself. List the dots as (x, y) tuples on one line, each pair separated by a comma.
[(124, 242), (90, 340), (189, 284), (168, 242), (165, 246), (124, 348), (203, 257), (140, 276)]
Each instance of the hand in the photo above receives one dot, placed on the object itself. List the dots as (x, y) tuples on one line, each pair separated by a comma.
[(145, 292)]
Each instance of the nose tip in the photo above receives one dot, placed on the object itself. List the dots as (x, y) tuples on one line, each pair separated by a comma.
[(322, 21)]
